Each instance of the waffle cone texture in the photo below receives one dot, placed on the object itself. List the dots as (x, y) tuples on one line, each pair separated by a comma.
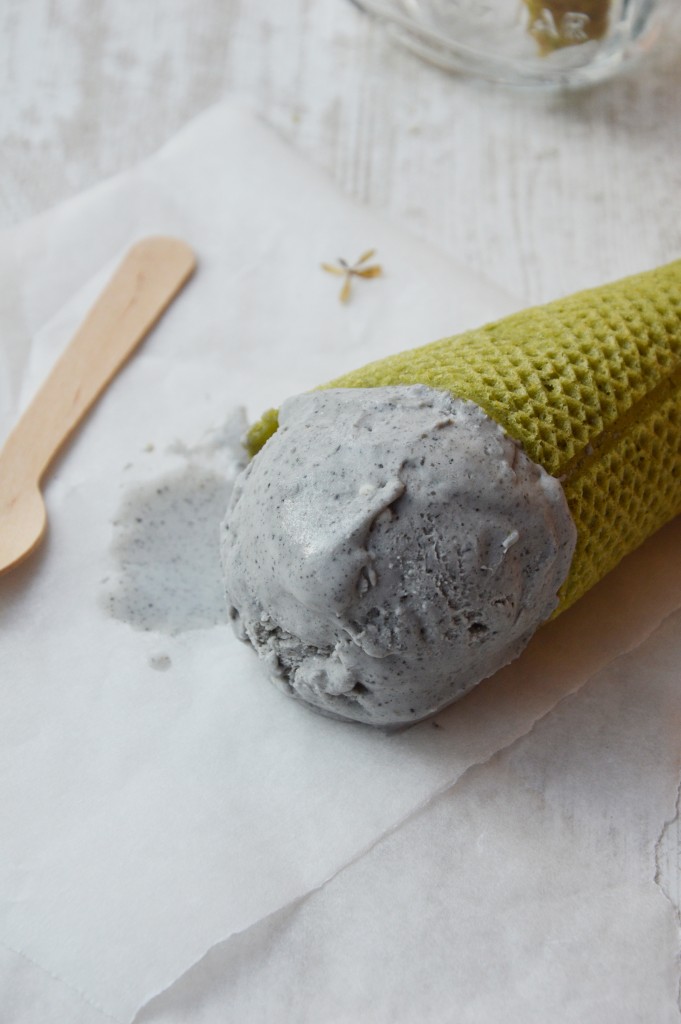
[(590, 386)]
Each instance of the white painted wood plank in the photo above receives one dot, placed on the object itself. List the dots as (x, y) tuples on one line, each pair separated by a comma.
[(545, 194)]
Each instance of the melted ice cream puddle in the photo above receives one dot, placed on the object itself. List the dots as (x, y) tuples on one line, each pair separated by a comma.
[(166, 548)]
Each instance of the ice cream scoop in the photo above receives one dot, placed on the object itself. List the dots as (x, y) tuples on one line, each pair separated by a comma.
[(389, 548), (391, 545)]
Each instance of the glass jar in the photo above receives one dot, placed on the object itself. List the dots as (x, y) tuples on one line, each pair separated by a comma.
[(558, 43)]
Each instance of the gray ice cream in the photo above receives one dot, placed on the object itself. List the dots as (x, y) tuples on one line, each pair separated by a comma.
[(388, 548)]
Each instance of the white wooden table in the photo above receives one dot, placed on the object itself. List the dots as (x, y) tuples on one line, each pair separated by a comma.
[(545, 194), (542, 193)]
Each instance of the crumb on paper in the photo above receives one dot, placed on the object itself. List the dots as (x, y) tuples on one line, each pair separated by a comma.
[(161, 662)]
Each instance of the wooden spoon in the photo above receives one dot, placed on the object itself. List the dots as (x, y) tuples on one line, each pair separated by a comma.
[(148, 279)]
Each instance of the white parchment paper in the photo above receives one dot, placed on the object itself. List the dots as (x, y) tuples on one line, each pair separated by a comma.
[(532, 891), (146, 815)]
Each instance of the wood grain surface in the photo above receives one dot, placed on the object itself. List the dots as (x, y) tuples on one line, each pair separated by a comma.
[(544, 193)]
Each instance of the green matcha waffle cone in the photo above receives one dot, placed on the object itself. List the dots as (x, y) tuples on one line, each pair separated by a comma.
[(590, 386)]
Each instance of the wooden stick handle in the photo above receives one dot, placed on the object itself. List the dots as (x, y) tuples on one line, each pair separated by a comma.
[(147, 280)]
